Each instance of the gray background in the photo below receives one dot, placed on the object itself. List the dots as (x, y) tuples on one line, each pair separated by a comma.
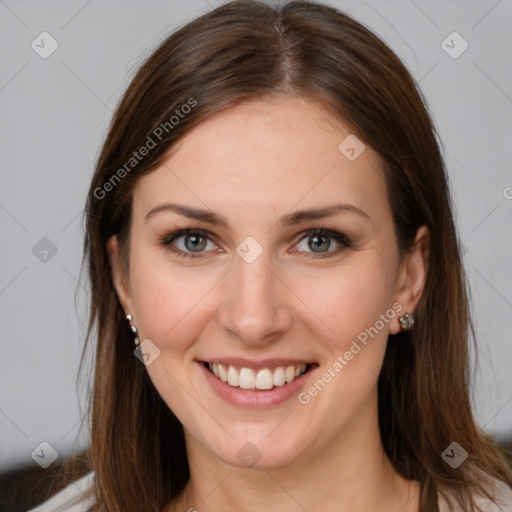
[(55, 111)]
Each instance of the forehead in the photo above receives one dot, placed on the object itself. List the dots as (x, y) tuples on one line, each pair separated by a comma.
[(267, 154)]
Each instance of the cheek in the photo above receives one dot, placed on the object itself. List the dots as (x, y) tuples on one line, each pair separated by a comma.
[(349, 298), (165, 299)]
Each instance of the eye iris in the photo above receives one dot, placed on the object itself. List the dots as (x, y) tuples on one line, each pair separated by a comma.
[(316, 238), (195, 240)]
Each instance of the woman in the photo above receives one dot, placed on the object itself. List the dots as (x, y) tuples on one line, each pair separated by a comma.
[(313, 356)]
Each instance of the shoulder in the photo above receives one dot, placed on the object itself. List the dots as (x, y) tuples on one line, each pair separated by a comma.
[(69, 498), (503, 496), (502, 492)]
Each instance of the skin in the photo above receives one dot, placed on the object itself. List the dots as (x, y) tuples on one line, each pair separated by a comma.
[(252, 164)]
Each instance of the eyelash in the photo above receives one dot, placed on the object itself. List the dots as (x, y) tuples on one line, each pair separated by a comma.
[(343, 240)]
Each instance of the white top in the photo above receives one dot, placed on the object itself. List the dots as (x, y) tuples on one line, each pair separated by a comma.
[(504, 495), (65, 500)]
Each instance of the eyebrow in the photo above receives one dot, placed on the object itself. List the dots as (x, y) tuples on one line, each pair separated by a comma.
[(290, 219)]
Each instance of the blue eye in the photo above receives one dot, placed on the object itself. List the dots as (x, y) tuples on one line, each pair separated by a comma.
[(321, 238), (195, 242)]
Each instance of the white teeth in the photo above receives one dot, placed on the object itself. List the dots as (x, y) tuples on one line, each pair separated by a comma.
[(279, 377), (214, 369), (222, 372), (232, 376), (264, 379), (289, 373), (247, 378)]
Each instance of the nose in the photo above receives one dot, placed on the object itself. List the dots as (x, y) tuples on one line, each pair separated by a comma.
[(256, 305)]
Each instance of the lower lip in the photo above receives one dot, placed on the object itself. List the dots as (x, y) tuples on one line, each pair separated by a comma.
[(256, 398)]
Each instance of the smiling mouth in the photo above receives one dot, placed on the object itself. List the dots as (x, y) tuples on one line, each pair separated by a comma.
[(263, 379)]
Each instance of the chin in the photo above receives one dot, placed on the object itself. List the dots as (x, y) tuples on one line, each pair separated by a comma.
[(257, 452)]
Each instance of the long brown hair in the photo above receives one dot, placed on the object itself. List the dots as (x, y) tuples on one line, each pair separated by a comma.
[(249, 50)]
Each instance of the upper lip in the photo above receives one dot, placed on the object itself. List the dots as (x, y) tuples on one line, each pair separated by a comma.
[(242, 362)]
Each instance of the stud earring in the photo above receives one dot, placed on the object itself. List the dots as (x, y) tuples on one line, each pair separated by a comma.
[(406, 321), (134, 330)]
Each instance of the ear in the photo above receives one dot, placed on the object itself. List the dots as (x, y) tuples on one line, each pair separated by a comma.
[(412, 275), (121, 281)]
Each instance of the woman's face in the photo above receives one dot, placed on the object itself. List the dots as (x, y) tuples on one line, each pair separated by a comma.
[(256, 290)]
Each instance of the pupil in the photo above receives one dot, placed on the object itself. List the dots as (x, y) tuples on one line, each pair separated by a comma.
[(194, 239), (316, 244)]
